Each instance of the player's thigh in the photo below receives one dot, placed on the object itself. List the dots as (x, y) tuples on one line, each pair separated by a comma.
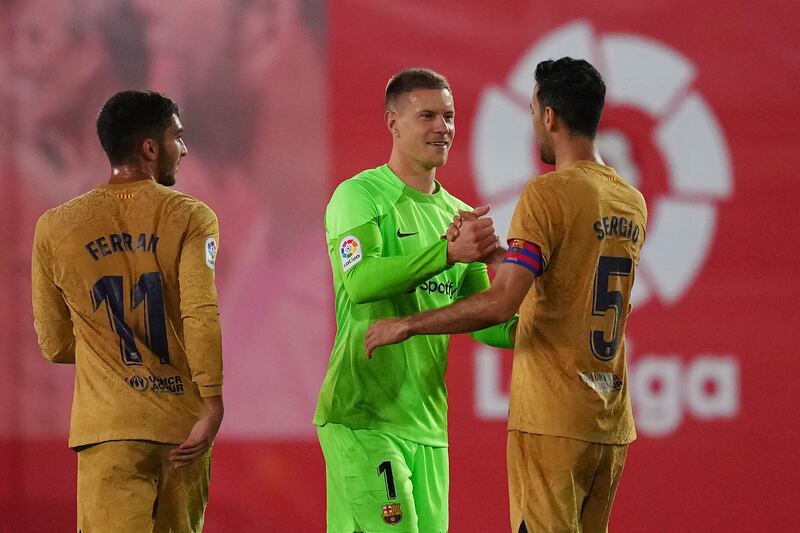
[(182, 495), (117, 487), (430, 476), (370, 472), (333, 440), (339, 515), (548, 479), (597, 508)]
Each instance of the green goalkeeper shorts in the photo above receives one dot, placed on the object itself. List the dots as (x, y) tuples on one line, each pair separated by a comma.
[(378, 482)]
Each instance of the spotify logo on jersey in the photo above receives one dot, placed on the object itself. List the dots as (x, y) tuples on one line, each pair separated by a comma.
[(657, 131)]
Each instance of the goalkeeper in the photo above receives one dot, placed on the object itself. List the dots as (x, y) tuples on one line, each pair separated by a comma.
[(382, 423)]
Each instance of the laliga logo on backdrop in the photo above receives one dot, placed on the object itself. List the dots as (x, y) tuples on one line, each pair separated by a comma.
[(655, 80)]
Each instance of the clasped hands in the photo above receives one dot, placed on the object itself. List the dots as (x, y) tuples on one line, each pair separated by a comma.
[(471, 237)]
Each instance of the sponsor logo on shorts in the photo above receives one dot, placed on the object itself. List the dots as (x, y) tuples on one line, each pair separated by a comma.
[(171, 384), (391, 513), (350, 252)]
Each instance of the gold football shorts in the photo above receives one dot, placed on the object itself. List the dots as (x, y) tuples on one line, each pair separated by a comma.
[(557, 484), (129, 486)]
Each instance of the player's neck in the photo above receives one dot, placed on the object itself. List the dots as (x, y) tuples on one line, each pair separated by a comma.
[(130, 173), (417, 177), (577, 149)]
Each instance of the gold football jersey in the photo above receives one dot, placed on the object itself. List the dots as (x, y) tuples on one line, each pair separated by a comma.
[(123, 286), (569, 374)]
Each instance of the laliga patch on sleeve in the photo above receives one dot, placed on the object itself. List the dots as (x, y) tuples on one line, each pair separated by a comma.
[(211, 252), (350, 252)]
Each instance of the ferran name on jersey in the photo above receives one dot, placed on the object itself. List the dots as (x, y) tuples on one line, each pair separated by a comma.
[(350, 252), (105, 245), (211, 252)]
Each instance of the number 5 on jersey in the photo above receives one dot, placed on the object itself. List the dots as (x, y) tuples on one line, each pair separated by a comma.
[(604, 300)]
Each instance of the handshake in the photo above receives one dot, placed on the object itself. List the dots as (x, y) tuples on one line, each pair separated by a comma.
[(471, 237)]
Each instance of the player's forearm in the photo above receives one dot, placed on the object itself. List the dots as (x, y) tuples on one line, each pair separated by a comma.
[(214, 407), (378, 278), (500, 335), (51, 316), (203, 342), (56, 341), (64, 355), (476, 312)]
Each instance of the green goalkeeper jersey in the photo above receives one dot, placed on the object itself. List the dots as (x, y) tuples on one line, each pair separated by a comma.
[(389, 260)]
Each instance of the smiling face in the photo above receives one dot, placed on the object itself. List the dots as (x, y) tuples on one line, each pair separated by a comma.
[(422, 122)]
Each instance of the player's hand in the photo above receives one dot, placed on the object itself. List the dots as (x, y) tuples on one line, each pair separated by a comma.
[(475, 240), (453, 230), (383, 332), (202, 435)]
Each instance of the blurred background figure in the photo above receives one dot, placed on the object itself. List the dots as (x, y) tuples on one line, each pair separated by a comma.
[(65, 59), (255, 84)]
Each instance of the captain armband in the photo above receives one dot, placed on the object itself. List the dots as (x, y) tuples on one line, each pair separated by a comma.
[(526, 254)]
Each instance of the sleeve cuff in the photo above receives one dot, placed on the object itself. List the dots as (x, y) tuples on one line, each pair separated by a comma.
[(210, 390), (443, 244)]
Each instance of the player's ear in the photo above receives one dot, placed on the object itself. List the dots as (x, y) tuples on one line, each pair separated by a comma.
[(149, 149), (550, 118), (390, 117)]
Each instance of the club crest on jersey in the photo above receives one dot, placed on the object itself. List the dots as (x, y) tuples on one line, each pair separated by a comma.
[(211, 252), (350, 252), (391, 513)]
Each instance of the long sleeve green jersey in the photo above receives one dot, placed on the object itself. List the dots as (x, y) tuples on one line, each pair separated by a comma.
[(389, 260)]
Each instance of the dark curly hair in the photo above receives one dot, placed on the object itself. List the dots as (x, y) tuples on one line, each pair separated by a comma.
[(574, 90), (130, 117)]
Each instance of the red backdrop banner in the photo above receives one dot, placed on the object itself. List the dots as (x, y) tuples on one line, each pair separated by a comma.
[(284, 100), (700, 115)]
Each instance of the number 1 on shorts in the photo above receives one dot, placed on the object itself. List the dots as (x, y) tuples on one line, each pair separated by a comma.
[(386, 467)]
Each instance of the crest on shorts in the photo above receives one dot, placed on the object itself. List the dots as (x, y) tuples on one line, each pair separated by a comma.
[(391, 513)]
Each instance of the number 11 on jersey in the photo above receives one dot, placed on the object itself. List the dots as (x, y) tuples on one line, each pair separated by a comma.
[(147, 290)]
